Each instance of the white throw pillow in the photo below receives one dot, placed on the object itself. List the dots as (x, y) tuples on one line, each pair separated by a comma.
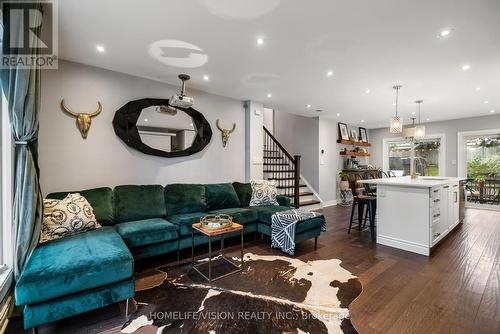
[(69, 216), (264, 192)]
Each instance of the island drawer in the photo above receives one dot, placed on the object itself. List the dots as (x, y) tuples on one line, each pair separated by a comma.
[(435, 213), (435, 193), (437, 230), (435, 202)]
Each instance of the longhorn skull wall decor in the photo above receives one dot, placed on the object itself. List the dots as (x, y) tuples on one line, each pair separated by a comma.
[(225, 133), (83, 120)]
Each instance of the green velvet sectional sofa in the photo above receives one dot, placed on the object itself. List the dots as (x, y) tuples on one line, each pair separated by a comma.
[(90, 270)]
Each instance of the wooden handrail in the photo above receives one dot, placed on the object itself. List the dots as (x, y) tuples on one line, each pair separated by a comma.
[(279, 145)]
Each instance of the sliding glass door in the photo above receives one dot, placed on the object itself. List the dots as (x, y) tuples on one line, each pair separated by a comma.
[(429, 156), (480, 163)]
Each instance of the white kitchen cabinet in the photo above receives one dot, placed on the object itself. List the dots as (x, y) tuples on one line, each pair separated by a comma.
[(444, 203), (415, 215)]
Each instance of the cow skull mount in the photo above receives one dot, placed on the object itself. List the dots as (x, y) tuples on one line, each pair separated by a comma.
[(83, 120), (225, 133)]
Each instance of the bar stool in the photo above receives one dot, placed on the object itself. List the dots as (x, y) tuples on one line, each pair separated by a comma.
[(363, 202)]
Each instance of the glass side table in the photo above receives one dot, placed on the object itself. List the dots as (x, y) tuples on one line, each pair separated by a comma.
[(210, 233)]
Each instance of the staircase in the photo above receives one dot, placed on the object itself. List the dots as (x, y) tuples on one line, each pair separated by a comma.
[(281, 166)]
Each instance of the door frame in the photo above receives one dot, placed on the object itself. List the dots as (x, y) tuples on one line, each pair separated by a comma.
[(442, 151), (461, 155)]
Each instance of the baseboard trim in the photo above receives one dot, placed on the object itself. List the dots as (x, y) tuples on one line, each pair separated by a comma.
[(403, 244), (329, 203)]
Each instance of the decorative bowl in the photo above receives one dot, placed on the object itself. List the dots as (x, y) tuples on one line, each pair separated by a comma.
[(216, 221)]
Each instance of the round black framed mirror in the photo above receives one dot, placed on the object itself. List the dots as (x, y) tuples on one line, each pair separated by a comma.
[(153, 127)]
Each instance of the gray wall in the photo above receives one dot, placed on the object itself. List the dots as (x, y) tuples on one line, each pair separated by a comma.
[(68, 162), (448, 128), (299, 136), (307, 136)]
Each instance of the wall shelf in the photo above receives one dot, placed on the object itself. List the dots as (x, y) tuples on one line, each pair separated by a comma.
[(355, 154), (355, 143)]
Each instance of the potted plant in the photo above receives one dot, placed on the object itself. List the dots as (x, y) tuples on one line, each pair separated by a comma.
[(480, 181), (344, 181)]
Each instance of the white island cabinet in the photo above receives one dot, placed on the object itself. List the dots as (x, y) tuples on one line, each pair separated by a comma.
[(414, 215)]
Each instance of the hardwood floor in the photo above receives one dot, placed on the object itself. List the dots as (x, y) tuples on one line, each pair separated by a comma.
[(456, 290)]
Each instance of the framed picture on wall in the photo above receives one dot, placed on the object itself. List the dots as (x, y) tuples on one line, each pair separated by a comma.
[(343, 131), (353, 134), (363, 135)]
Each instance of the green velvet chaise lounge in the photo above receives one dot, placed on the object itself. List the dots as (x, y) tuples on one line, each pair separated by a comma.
[(90, 270)]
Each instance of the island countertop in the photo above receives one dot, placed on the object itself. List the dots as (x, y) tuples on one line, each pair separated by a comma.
[(420, 182)]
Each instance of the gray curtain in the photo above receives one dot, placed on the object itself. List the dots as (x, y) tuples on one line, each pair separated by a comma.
[(22, 89)]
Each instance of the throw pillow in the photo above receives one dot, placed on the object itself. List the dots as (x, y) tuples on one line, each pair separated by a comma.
[(244, 192), (264, 192), (69, 216)]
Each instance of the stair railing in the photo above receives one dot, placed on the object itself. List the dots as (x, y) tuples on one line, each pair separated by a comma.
[(283, 167)]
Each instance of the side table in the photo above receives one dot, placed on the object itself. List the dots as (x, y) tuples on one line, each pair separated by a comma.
[(210, 233)]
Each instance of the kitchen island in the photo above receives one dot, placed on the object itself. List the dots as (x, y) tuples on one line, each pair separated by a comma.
[(415, 214)]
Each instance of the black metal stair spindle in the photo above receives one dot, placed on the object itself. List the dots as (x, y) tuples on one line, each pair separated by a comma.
[(282, 167)]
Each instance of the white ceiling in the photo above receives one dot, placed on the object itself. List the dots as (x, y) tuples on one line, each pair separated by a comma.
[(368, 44)]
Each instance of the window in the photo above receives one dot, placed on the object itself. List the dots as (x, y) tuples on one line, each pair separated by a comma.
[(6, 257), (429, 156)]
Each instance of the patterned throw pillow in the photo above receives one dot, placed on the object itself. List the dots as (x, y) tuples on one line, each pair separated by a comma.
[(69, 216), (263, 193)]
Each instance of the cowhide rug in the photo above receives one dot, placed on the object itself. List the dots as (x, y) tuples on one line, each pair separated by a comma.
[(273, 294)]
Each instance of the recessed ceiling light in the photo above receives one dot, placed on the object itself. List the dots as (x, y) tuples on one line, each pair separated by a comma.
[(206, 78), (308, 106), (145, 120), (99, 48), (367, 91), (478, 89), (486, 102), (465, 67), (492, 111), (427, 119), (362, 121), (329, 73), (260, 41), (338, 114), (269, 95), (445, 33)]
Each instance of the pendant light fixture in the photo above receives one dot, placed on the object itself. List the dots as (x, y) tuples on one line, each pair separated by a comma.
[(409, 131), (419, 129), (396, 121)]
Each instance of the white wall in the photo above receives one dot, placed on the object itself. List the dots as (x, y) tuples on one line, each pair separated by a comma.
[(299, 136), (328, 161), (68, 162), (254, 160), (449, 128), (268, 120)]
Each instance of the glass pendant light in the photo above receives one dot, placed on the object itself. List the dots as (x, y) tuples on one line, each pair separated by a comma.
[(419, 129), (396, 121), (409, 131)]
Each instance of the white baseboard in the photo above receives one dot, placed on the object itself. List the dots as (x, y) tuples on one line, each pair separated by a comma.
[(403, 244), (329, 203)]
